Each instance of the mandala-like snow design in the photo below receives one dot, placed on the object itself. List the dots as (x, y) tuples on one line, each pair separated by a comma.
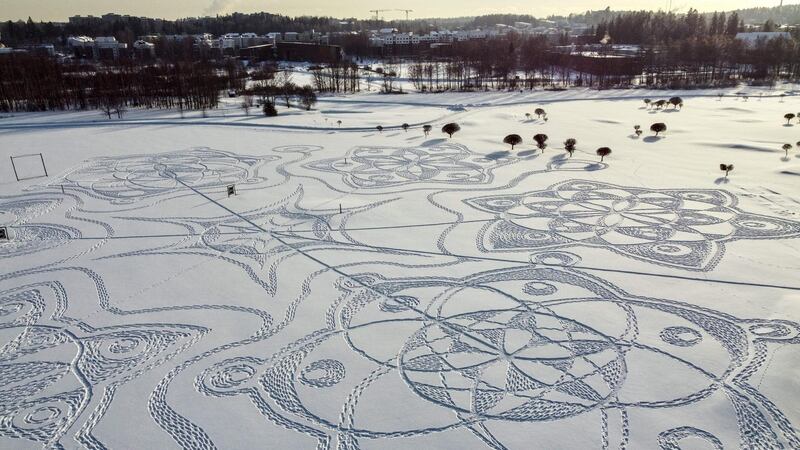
[(233, 240), (127, 179), (383, 167), (17, 212), (684, 228), (30, 220), (54, 370), (529, 346), (359, 347)]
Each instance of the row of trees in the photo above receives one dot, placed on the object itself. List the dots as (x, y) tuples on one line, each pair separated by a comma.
[(29, 83), (570, 145), (524, 62), (654, 28), (271, 85)]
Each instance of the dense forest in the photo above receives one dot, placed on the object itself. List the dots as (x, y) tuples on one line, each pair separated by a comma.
[(30, 83)]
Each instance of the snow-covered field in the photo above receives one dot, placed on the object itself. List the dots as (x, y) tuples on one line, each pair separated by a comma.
[(392, 290)]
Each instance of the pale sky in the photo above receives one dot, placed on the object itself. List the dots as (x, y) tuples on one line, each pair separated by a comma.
[(59, 10)]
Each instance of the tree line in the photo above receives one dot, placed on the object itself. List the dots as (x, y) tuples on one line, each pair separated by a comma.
[(29, 83), (127, 29)]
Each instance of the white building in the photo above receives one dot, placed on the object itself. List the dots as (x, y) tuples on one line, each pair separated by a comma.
[(273, 37), (101, 46), (144, 48), (80, 41)]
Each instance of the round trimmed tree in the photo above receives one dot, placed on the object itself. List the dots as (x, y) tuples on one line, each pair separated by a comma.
[(569, 146), (727, 168), (512, 140), (451, 129), (788, 117), (658, 127), (602, 152), (541, 141), (427, 129)]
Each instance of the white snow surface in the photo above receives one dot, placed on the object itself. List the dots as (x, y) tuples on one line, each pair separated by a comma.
[(383, 290)]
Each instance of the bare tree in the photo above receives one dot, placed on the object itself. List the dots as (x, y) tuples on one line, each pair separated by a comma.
[(451, 129), (283, 80), (658, 127), (512, 140), (602, 152), (637, 129), (647, 102), (247, 103), (307, 97), (339, 122), (786, 148), (426, 129)]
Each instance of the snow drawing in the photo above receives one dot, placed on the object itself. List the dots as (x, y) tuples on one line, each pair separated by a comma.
[(521, 345), (319, 337), (683, 228), (129, 179), (382, 167)]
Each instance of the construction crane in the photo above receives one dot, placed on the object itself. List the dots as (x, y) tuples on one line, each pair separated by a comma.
[(405, 11), (378, 11)]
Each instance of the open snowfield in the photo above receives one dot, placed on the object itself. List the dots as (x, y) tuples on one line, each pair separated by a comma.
[(391, 290)]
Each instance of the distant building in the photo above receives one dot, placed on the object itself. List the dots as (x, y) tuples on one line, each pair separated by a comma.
[(750, 38), (308, 52), (273, 37), (144, 49), (623, 60), (104, 47), (81, 20)]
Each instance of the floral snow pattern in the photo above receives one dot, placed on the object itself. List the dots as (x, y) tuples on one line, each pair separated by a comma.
[(683, 228), (519, 350), (382, 167), (128, 179)]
